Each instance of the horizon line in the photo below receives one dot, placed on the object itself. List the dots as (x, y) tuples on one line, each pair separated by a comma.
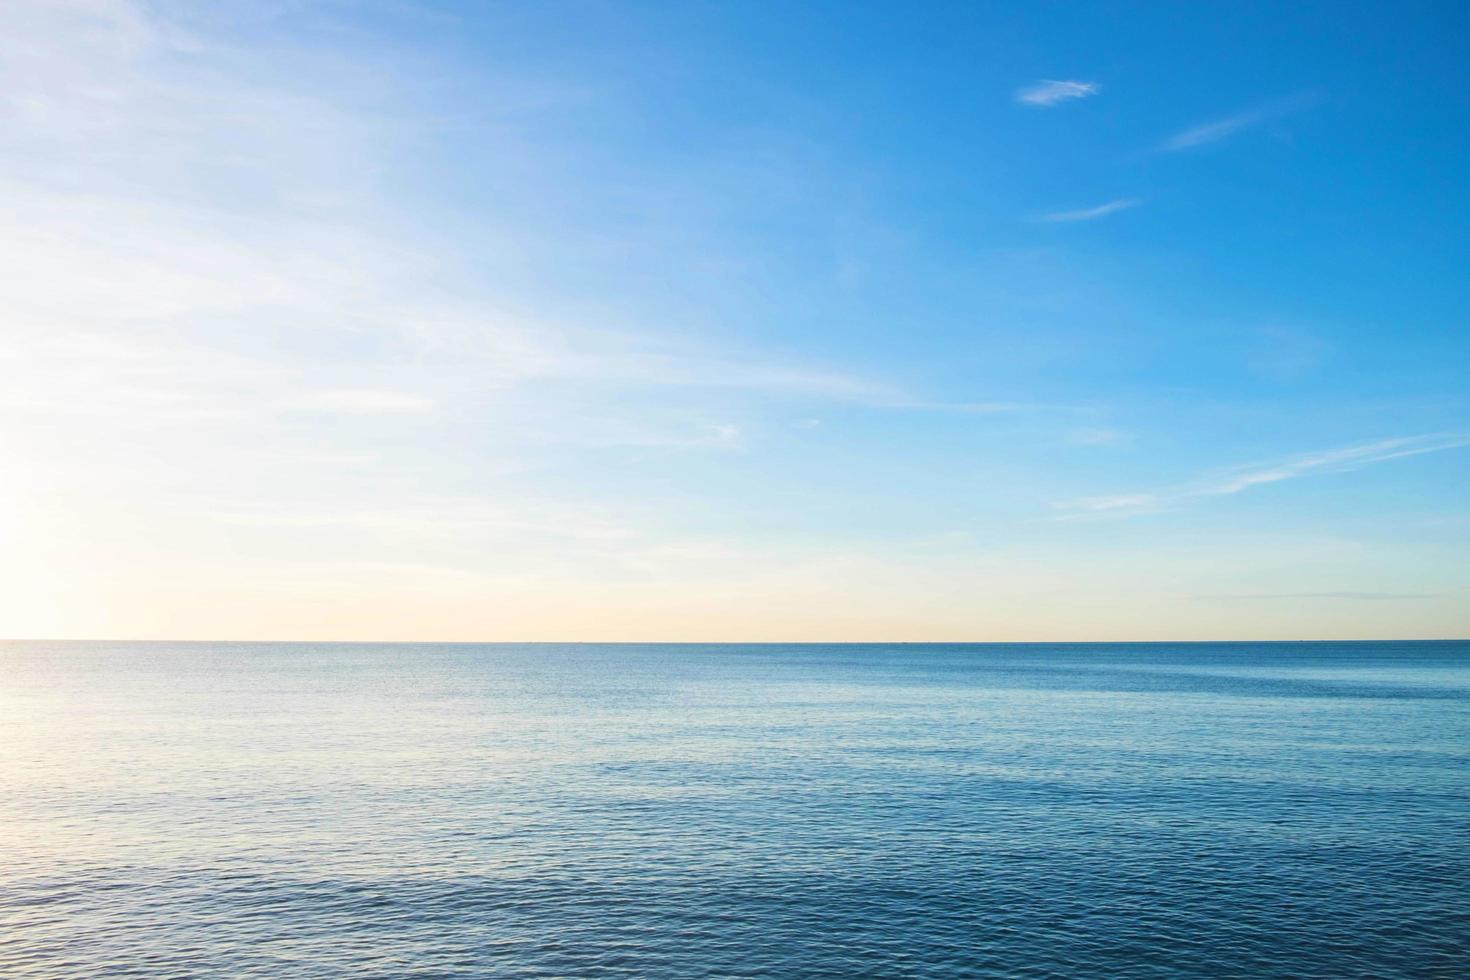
[(749, 643)]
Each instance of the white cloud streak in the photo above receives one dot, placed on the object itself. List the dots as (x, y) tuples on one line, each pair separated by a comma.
[(163, 264), (1238, 480), (1093, 213), (1219, 129), (1332, 461), (1050, 92), (437, 517), (1097, 437), (361, 401)]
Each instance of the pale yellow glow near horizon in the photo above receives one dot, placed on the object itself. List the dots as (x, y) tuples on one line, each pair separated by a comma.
[(92, 566), (56, 587)]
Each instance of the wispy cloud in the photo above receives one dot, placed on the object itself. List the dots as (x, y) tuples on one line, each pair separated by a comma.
[(436, 515), (706, 435), (1093, 213), (1111, 505), (1335, 460), (1049, 92), (1236, 480), (957, 408), (1219, 129), (361, 401), (1096, 437)]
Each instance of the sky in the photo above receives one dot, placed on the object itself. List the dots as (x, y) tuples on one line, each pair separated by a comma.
[(734, 321)]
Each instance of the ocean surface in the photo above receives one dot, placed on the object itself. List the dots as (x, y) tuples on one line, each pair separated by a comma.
[(1140, 810)]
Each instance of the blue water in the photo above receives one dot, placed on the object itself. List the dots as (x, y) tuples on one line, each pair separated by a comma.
[(227, 810)]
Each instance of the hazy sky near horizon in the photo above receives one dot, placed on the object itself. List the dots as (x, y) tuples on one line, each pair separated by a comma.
[(744, 321)]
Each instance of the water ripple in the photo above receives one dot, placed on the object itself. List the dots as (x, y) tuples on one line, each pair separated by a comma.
[(1143, 811)]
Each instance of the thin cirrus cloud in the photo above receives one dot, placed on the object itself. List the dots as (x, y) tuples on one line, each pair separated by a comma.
[(1241, 479), (362, 401), (1049, 92), (1219, 129), (1092, 213)]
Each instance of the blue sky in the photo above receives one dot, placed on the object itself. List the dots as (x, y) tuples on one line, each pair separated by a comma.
[(735, 321)]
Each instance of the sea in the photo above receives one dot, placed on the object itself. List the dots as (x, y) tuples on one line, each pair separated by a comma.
[(887, 810)]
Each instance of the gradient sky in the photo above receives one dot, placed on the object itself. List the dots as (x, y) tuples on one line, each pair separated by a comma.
[(743, 321)]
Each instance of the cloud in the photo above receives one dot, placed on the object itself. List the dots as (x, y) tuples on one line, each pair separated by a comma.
[(956, 408), (430, 516), (1233, 481), (1093, 213), (1219, 129), (1335, 460), (1123, 503), (723, 434), (226, 253), (361, 401), (1285, 354), (706, 435), (1050, 92), (1097, 437), (522, 349)]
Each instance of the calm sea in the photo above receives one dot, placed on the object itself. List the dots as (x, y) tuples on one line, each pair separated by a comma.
[(300, 810)]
